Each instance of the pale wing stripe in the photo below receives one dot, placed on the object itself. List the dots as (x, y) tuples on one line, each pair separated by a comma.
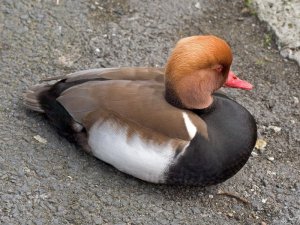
[(191, 128)]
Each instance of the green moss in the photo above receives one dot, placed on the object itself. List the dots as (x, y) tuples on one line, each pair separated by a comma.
[(267, 40), (260, 62), (250, 5)]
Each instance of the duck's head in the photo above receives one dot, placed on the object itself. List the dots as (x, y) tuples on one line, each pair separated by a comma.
[(198, 66)]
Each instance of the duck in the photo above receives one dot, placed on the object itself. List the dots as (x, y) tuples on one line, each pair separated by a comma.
[(167, 125)]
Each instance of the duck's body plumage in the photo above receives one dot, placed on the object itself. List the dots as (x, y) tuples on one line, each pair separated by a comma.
[(121, 116)]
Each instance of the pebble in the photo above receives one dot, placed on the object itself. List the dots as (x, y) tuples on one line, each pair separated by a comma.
[(40, 139), (274, 128), (271, 173), (260, 144), (246, 11), (197, 5), (271, 158), (296, 100), (93, 7), (210, 196), (254, 154), (230, 214)]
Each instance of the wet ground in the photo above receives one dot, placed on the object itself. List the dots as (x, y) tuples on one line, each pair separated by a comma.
[(55, 183)]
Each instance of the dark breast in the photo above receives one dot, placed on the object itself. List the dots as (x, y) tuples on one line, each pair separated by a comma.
[(232, 136)]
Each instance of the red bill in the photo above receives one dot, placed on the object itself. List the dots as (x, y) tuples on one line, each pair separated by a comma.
[(234, 82)]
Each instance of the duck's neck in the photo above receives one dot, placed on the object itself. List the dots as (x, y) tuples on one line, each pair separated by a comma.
[(188, 100), (171, 97), (191, 92)]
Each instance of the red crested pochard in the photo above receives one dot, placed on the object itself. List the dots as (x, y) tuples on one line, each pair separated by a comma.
[(159, 125)]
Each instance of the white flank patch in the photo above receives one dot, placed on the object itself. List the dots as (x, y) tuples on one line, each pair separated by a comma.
[(191, 128), (144, 160)]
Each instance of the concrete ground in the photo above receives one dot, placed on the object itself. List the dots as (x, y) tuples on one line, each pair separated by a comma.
[(46, 180)]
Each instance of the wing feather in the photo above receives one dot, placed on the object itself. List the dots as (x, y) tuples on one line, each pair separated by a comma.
[(141, 102)]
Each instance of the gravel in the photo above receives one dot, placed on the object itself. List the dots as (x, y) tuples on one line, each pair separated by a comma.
[(53, 182)]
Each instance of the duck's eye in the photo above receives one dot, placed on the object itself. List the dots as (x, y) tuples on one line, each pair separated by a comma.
[(219, 68)]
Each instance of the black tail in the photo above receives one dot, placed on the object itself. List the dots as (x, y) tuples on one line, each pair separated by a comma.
[(59, 116)]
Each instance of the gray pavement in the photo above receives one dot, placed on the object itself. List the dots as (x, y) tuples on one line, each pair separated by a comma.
[(52, 182)]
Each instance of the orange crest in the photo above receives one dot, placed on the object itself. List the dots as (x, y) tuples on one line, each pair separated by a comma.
[(195, 53)]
